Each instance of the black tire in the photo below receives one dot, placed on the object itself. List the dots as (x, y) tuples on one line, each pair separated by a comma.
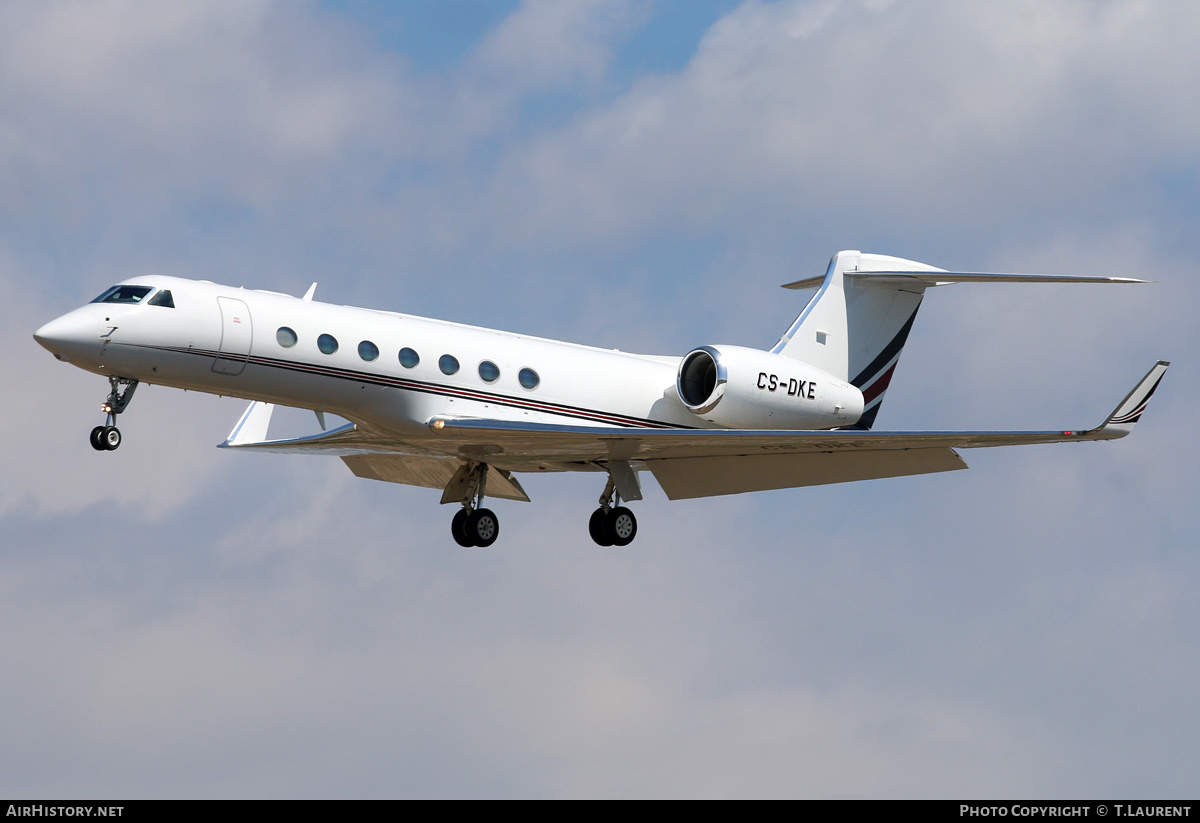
[(598, 528), (484, 527), (111, 438), (458, 527), (97, 444), (621, 526)]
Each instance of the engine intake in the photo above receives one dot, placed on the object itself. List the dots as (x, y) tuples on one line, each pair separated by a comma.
[(702, 380)]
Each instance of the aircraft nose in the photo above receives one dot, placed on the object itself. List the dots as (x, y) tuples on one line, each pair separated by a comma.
[(65, 335)]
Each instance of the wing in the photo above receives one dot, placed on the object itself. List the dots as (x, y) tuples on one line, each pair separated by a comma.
[(686, 462), (704, 462)]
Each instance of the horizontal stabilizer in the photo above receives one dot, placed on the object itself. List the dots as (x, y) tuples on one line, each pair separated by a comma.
[(941, 278)]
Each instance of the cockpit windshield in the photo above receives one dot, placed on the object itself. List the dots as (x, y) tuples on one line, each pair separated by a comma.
[(124, 294)]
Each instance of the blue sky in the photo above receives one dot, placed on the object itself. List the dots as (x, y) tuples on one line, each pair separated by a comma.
[(177, 621)]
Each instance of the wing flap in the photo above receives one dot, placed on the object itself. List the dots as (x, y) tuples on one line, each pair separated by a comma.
[(430, 472), (708, 476)]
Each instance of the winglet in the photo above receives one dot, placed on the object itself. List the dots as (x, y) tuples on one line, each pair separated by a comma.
[(308, 295), (1120, 422), (252, 428)]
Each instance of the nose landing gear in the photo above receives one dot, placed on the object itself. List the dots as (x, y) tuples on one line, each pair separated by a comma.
[(108, 436)]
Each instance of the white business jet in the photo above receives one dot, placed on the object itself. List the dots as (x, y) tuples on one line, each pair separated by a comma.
[(464, 409)]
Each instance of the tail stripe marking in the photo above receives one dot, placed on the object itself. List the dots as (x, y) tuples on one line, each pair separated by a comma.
[(890, 352), (879, 386)]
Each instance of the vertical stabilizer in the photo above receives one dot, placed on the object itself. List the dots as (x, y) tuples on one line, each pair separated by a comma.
[(855, 328)]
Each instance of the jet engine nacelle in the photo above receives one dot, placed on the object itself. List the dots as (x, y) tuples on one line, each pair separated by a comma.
[(743, 388)]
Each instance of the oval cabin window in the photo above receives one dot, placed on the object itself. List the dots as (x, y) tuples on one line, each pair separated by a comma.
[(489, 371), (529, 378)]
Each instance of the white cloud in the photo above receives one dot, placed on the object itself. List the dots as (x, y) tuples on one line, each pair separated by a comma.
[(546, 45), (959, 113), (150, 102)]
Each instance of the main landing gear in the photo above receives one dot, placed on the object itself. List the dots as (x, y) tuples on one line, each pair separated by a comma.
[(108, 436), (473, 525), (612, 525)]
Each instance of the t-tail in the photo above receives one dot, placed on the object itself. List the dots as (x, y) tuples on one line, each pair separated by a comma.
[(857, 323)]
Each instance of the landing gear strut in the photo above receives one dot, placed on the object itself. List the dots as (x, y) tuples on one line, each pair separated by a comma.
[(108, 436), (612, 525), (473, 525)]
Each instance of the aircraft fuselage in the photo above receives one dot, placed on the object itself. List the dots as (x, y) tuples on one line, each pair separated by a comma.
[(347, 361)]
